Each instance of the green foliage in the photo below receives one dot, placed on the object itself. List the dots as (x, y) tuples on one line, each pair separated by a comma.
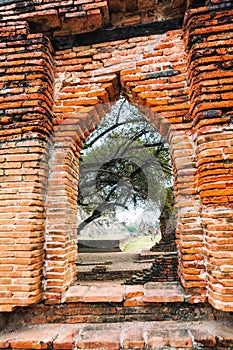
[(167, 218), (131, 228)]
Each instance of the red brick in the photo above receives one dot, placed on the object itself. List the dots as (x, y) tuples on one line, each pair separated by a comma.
[(133, 336), (76, 293), (134, 291), (67, 337), (96, 337), (104, 293)]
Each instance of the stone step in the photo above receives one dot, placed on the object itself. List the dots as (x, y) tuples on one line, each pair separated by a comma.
[(110, 292), (106, 273), (114, 302), (114, 257), (152, 255), (116, 336)]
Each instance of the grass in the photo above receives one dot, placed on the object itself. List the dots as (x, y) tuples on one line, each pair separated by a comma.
[(139, 243)]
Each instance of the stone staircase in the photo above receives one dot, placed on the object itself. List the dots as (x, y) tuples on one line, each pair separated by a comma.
[(115, 316)]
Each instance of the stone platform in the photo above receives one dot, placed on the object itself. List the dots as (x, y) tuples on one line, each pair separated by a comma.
[(101, 245), (126, 294), (107, 316), (116, 336)]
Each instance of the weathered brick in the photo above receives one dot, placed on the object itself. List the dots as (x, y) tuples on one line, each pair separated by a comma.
[(187, 96)]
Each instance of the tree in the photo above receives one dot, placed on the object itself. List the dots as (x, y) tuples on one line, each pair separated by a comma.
[(125, 163)]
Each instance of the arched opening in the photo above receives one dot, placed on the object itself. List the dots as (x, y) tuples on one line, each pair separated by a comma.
[(126, 204)]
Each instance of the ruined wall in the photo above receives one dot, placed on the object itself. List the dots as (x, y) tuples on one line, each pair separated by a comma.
[(210, 48), (52, 99), (61, 17), (163, 269), (26, 85)]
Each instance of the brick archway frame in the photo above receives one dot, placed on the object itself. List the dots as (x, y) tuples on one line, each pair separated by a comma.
[(183, 79), (151, 75)]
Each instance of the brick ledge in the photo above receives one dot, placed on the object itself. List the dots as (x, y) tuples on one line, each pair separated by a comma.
[(128, 335), (151, 292)]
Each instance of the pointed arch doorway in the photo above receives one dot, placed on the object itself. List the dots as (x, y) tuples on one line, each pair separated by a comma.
[(152, 77)]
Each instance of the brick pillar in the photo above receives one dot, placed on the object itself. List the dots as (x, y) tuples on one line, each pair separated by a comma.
[(61, 223), (26, 82), (62, 195), (209, 42), (189, 233)]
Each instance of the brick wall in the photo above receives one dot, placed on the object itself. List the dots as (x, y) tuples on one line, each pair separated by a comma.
[(51, 101), (26, 85), (57, 16), (210, 48), (78, 16), (163, 269)]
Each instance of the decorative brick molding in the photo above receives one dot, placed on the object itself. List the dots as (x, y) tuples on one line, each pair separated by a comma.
[(51, 101)]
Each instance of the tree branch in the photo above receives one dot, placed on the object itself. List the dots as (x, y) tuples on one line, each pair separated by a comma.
[(115, 183), (98, 212), (106, 131)]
